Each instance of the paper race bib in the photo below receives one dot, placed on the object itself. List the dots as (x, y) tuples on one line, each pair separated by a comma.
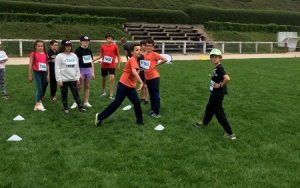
[(145, 64), (2, 57), (42, 67), (70, 61), (211, 87), (107, 59), (87, 59)]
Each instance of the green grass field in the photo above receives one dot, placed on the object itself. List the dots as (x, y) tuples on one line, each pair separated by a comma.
[(69, 151)]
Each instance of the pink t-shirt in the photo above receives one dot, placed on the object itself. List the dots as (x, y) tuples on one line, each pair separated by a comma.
[(39, 61)]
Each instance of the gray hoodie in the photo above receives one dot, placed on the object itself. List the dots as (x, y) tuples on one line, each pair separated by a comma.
[(66, 67)]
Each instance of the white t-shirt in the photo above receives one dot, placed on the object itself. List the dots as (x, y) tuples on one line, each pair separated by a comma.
[(2, 57)]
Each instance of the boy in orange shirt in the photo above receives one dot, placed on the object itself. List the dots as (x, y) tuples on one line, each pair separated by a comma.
[(109, 52), (126, 88), (150, 65)]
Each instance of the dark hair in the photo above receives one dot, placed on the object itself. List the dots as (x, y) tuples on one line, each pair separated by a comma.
[(52, 42), (123, 40), (109, 35), (150, 41), (143, 42), (134, 45), (34, 45), (62, 49)]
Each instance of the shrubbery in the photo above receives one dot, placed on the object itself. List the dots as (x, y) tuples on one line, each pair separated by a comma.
[(60, 19), (228, 26)]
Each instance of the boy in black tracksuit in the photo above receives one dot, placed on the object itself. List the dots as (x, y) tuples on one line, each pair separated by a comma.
[(218, 89), (52, 53)]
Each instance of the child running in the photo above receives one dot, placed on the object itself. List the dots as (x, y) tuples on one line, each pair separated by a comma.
[(38, 62), (150, 65), (86, 67), (67, 74), (144, 90), (126, 88), (108, 53), (51, 60), (3, 59), (218, 89)]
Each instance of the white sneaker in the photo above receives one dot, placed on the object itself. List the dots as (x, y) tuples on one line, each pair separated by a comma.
[(112, 98), (74, 105), (87, 104), (39, 108)]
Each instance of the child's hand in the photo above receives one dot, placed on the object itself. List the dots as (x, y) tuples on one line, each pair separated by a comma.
[(140, 87), (48, 78), (78, 82), (30, 79), (60, 84), (93, 76), (217, 85)]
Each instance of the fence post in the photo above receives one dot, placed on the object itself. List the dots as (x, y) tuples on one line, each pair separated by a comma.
[(204, 48), (223, 47), (184, 48), (256, 47), (163, 47), (271, 47), (240, 47), (21, 48)]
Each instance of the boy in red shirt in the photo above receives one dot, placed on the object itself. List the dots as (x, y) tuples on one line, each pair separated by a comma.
[(126, 88), (150, 65), (108, 53)]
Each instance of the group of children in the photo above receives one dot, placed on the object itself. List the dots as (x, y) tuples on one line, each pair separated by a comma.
[(74, 70)]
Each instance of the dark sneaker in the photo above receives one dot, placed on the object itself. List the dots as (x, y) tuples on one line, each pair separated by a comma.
[(97, 121), (146, 102), (199, 124), (140, 124), (230, 136)]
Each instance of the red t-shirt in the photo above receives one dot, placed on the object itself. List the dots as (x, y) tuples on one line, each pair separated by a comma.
[(127, 77), (109, 54), (152, 58), (39, 61)]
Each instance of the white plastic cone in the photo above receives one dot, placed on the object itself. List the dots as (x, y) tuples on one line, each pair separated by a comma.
[(127, 107), (14, 138), (159, 127), (19, 118)]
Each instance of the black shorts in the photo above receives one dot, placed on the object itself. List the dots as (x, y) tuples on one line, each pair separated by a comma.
[(142, 76), (105, 72)]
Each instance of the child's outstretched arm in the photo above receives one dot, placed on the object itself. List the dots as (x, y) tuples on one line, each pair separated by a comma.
[(137, 76)]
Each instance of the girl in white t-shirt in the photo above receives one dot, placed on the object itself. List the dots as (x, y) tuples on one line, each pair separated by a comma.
[(3, 59)]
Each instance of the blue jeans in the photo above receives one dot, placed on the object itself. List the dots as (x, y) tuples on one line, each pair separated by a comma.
[(40, 78), (122, 92)]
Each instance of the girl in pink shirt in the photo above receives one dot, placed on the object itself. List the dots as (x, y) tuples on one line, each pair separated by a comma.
[(39, 66)]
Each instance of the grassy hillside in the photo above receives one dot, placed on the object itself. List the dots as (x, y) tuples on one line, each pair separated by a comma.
[(289, 5)]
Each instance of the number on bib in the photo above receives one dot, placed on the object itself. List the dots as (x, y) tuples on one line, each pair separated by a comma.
[(42, 67), (145, 64), (87, 59), (107, 59)]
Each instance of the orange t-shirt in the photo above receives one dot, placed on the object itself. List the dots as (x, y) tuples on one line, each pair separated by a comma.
[(152, 58), (39, 61), (109, 54), (127, 77)]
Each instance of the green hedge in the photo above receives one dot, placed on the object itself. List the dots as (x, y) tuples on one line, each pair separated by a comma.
[(60, 19), (199, 14), (131, 14), (228, 26)]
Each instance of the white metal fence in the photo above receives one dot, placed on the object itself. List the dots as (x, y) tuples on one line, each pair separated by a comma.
[(22, 47)]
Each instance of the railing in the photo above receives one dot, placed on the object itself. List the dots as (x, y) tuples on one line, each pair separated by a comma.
[(25, 46)]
